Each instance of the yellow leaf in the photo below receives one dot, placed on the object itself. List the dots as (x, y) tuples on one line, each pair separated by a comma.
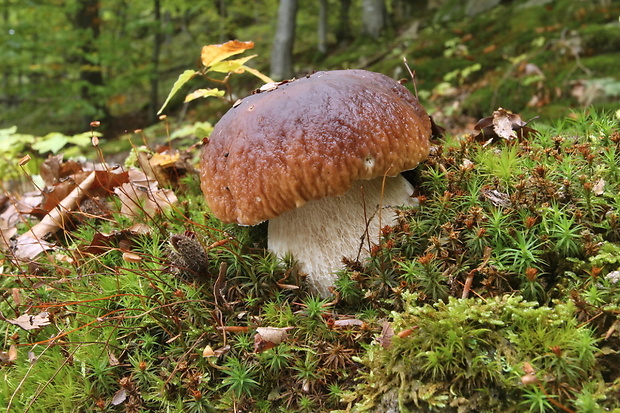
[(230, 65), (258, 74), (203, 93), (215, 53)]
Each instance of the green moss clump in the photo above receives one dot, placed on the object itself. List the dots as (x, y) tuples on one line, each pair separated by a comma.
[(467, 355)]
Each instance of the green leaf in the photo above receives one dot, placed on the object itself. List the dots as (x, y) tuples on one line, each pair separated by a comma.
[(83, 139), (12, 143), (52, 142), (203, 93), (231, 65), (183, 78)]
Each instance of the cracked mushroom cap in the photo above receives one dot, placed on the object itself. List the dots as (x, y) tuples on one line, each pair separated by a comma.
[(308, 139)]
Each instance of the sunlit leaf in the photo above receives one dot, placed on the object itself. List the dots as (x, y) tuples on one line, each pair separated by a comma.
[(203, 93), (198, 129), (227, 66), (183, 79), (215, 53), (84, 139), (258, 74), (52, 142)]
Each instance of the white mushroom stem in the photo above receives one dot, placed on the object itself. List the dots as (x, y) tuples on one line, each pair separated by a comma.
[(321, 233)]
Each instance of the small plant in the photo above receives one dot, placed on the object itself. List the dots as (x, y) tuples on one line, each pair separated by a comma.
[(213, 59), (239, 378)]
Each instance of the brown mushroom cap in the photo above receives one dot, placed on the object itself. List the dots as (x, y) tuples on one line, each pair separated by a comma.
[(308, 139)]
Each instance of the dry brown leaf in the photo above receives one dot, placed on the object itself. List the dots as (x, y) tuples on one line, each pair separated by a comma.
[(27, 248), (103, 242), (31, 322), (165, 167), (208, 352), (6, 234), (8, 357), (53, 170), (17, 297), (119, 397), (503, 124), (615, 327), (113, 360), (348, 322), (269, 337), (387, 334), (599, 187), (530, 374), (131, 257), (31, 243), (137, 199)]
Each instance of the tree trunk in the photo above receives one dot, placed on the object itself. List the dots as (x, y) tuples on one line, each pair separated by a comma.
[(157, 39), (6, 75), (282, 52), (373, 17), (343, 32), (87, 19), (322, 28)]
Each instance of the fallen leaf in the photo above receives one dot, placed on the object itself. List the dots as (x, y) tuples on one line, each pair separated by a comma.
[(387, 334), (137, 200), (119, 397), (6, 234), (496, 197), (27, 248), (31, 322), (208, 352), (615, 327), (8, 357), (348, 322), (131, 257), (530, 374), (51, 223), (269, 337), (599, 187), (165, 167), (503, 124), (54, 169)]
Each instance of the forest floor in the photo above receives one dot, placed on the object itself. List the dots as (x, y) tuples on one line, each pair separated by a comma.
[(500, 291)]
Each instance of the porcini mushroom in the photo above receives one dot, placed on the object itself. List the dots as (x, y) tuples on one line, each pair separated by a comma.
[(320, 158)]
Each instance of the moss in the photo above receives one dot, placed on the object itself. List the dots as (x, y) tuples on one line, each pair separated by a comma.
[(602, 38), (462, 346)]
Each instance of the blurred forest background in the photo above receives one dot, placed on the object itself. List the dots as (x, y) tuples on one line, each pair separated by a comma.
[(65, 63)]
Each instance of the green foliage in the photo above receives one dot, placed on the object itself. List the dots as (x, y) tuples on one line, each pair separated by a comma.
[(214, 60), (461, 346), (239, 378), (14, 146)]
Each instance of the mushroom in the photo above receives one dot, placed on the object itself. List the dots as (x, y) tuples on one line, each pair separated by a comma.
[(320, 158)]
